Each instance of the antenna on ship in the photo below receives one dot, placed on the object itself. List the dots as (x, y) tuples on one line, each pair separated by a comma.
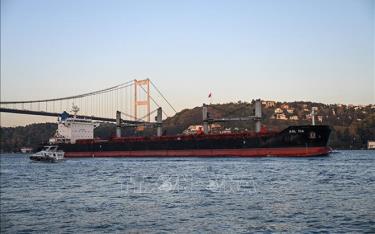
[(75, 110)]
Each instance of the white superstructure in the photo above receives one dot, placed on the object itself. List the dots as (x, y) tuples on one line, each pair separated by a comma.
[(371, 145), (71, 129)]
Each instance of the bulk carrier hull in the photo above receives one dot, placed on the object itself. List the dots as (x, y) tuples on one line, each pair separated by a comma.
[(294, 141)]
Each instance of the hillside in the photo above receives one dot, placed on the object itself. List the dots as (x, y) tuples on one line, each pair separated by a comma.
[(352, 126)]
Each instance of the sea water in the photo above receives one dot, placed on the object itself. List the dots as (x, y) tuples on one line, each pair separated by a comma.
[(323, 194)]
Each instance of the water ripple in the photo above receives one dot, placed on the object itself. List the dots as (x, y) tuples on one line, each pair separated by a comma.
[(323, 194)]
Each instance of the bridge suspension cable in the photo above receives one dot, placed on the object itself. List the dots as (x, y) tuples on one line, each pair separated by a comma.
[(163, 96), (124, 85), (101, 104)]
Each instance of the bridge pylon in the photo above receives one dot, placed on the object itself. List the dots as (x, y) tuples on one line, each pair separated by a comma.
[(142, 101)]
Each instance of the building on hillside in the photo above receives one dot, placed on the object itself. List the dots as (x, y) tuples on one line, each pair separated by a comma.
[(26, 150), (281, 117), (320, 118), (294, 117), (215, 128), (290, 111), (306, 110), (278, 111), (196, 129), (269, 104), (193, 129), (226, 131), (371, 145), (284, 106)]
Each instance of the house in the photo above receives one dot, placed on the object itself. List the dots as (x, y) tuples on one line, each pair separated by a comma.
[(196, 129), (269, 104), (306, 110), (26, 150), (226, 131), (193, 129), (278, 111), (284, 106), (370, 144), (320, 118), (290, 111), (215, 128), (294, 117), (281, 117), (140, 128)]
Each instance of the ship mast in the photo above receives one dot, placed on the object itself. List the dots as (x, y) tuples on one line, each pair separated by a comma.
[(313, 113), (75, 110)]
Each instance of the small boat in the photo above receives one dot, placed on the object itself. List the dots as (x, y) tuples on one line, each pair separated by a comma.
[(49, 153)]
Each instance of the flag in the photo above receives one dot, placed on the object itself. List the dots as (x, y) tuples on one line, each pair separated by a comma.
[(209, 95)]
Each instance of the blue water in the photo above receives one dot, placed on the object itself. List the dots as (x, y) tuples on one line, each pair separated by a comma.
[(325, 194)]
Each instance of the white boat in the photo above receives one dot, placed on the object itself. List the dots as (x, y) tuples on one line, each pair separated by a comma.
[(49, 153)]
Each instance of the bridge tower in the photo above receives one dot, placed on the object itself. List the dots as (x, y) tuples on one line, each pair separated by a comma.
[(142, 100)]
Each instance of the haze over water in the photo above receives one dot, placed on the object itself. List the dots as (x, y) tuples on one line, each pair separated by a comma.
[(329, 194)]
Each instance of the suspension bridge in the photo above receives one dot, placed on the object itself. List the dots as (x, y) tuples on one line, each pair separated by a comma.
[(136, 100)]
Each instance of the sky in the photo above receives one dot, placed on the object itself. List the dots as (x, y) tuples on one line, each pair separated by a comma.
[(290, 50)]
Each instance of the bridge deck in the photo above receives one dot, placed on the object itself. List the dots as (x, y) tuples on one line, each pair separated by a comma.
[(53, 114)]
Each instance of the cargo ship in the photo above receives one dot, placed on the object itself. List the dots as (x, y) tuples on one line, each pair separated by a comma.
[(294, 141), (75, 137)]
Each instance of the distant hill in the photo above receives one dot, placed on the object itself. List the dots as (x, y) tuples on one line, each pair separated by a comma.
[(352, 126)]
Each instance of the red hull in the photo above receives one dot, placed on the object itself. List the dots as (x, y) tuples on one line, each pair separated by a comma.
[(255, 152)]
